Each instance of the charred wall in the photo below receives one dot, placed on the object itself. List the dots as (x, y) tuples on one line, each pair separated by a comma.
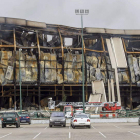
[(50, 68)]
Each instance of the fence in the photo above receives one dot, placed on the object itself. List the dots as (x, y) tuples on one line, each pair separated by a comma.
[(120, 114)]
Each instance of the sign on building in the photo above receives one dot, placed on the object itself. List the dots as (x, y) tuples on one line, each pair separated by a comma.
[(9, 72), (51, 104)]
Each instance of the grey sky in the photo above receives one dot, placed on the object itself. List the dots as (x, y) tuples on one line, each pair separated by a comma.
[(115, 14)]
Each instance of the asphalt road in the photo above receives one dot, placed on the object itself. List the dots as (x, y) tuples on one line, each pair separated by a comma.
[(98, 131)]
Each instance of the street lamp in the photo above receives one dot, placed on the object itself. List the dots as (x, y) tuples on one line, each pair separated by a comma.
[(82, 12), (20, 81)]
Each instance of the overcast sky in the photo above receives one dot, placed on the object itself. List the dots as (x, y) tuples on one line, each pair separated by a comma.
[(115, 14)]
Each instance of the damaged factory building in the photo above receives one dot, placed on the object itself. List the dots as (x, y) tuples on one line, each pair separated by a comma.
[(51, 67)]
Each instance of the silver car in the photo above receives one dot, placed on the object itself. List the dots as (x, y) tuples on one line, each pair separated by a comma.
[(57, 119), (80, 119)]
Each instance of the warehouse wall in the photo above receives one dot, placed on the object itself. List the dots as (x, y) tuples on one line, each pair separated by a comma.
[(50, 68)]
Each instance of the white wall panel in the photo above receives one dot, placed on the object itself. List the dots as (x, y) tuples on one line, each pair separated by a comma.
[(114, 65), (114, 31), (118, 50), (94, 30), (98, 87), (111, 54)]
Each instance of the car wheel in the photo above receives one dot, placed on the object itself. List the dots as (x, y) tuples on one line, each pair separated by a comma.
[(73, 127), (89, 126), (139, 123), (17, 125), (29, 123), (2, 125), (50, 125), (64, 125)]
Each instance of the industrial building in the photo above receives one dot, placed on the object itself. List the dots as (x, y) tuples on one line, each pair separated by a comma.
[(50, 68)]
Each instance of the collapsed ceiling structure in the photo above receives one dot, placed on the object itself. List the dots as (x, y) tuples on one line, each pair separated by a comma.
[(50, 68)]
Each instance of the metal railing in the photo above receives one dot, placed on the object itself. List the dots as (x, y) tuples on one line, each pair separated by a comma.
[(42, 114)]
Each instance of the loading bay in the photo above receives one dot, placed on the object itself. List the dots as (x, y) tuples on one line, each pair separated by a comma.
[(98, 131)]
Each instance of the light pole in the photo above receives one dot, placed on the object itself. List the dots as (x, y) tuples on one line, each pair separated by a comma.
[(82, 12), (20, 81)]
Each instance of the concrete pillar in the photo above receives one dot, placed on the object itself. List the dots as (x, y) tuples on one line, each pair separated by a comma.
[(34, 96), (109, 91), (10, 102)]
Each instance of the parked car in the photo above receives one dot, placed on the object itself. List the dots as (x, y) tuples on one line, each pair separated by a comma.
[(139, 121), (10, 118), (57, 118), (80, 119), (74, 116), (25, 118), (1, 115), (68, 111)]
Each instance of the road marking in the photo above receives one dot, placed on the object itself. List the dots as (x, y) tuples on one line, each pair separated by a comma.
[(69, 135), (102, 134), (5, 135), (133, 133), (37, 135), (117, 126), (99, 132), (93, 127), (46, 127)]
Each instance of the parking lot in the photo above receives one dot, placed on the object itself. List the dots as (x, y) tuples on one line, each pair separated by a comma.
[(98, 131)]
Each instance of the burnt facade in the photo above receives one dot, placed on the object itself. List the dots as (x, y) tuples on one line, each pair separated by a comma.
[(50, 68)]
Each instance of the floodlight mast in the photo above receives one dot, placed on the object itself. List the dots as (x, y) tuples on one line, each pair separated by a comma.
[(82, 12)]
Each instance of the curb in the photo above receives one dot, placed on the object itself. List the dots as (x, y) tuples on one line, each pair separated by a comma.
[(115, 120)]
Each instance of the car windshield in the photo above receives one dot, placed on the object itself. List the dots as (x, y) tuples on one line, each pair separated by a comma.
[(81, 116), (24, 115), (57, 114), (10, 115)]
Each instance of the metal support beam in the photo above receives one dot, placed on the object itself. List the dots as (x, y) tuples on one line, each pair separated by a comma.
[(38, 64), (62, 50), (86, 93), (70, 91), (55, 90), (131, 107), (10, 102), (14, 71), (129, 73), (57, 98), (33, 96), (63, 92), (104, 52), (2, 91), (20, 81)]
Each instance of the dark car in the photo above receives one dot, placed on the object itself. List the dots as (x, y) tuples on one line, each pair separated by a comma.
[(139, 121), (57, 119), (1, 115), (10, 118), (25, 118)]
